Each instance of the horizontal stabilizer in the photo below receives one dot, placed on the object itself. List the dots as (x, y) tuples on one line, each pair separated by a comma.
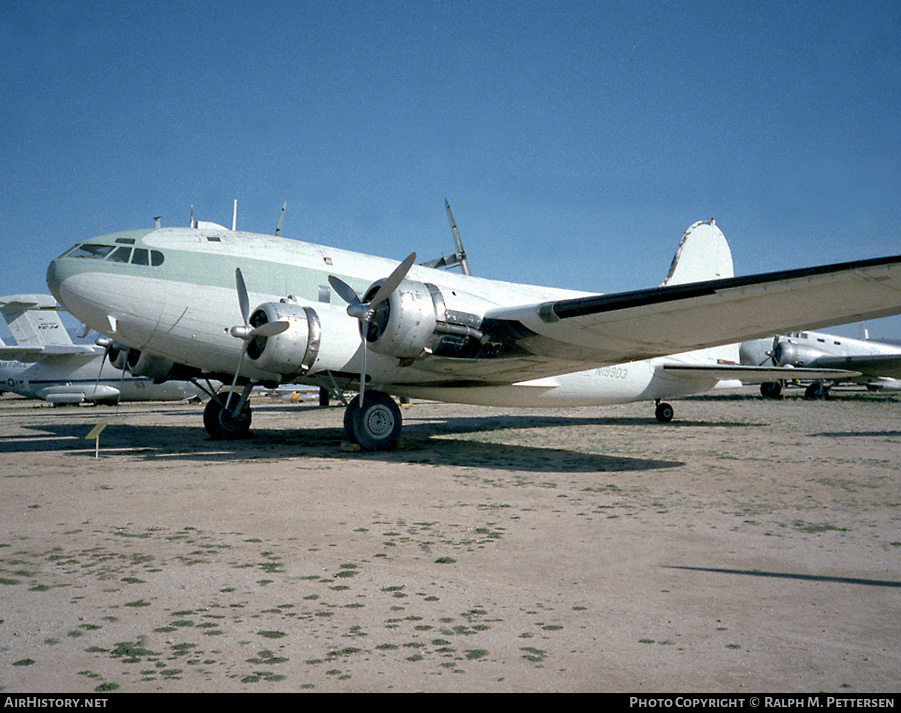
[(29, 355), (754, 373)]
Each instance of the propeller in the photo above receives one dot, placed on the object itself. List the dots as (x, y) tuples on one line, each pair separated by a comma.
[(247, 332), (106, 344), (364, 311), (773, 354)]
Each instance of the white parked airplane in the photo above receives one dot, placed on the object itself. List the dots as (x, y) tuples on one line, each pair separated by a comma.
[(878, 363), (46, 364), (182, 297)]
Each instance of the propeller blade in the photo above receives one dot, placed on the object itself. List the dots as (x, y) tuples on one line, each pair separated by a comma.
[(243, 299), (100, 372), (270, 329), (393, 280), (345, 291), (237, 371)]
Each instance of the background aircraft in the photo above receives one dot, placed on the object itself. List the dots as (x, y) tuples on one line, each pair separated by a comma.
[(46, 364), (179, 298), (878, 363)]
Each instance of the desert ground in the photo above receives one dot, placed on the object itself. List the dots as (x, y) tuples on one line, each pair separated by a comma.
[(747, 546)]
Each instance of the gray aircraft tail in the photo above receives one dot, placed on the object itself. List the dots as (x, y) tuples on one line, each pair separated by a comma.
[(34, 320)]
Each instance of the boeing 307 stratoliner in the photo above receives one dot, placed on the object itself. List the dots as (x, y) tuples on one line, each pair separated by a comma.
[(180, 298)]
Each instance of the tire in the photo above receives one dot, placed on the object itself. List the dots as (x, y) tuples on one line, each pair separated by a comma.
[(349, 412), (771, 389), (376, 425), (222, 426), (816, 391), (664, 413)]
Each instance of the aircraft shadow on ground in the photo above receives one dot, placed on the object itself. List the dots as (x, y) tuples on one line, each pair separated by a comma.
[(471, 424), (430, 442), (858, 434), (792, 575)]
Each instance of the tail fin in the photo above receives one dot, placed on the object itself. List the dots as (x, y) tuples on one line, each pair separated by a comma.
[(703, 254), (34, 320)]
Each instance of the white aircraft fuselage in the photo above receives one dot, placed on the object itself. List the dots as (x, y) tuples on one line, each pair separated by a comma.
[(182, 308)]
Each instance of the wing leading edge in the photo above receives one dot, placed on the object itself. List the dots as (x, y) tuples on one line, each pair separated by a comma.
[(628, 326)]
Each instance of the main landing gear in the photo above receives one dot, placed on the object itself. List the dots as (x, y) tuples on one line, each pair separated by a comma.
[(230, 419), (376, 425)]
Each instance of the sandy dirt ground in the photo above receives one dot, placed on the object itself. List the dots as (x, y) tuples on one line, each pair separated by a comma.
[(749, 546)]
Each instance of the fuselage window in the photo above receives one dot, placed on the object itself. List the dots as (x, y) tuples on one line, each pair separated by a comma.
[(156, 258), (120, 255), (140, 257), (96, 252), (126, 241)]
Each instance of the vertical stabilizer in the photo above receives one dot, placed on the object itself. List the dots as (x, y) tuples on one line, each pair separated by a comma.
[(703, 254), (34, 320)]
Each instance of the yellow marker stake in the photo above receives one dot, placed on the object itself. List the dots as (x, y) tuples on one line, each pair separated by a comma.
[(95, 434)]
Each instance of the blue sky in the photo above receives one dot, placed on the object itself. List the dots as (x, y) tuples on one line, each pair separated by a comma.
[(575, 141)]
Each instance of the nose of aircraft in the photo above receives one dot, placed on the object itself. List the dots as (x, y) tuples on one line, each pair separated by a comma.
[(54, 281)]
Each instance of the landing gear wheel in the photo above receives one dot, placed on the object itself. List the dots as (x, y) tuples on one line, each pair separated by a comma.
[(375, 425), (816, 390), (664, 413), (771, 389), (223, 425), (349, 416)]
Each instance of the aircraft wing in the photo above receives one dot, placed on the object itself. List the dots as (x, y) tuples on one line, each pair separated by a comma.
[(888, 365), (622, 327)]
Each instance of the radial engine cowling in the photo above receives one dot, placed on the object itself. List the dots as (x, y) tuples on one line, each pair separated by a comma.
[(153, 367), (414, 322), (402, 326), (293, 351), (118, 355), (790, 354)]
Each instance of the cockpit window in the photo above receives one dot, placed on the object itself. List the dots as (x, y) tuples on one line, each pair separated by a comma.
[(112, 253), (120, 255), (95, 252)]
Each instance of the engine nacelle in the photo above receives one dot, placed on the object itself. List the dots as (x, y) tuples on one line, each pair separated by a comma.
[(153, 367), (293, 351), (790, 354), (402, 326), (118, 355), (414, 322)]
